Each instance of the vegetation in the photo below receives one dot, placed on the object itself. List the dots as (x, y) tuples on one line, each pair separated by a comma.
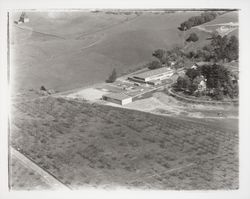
[(121, 48), (42, 88), (154, 65), (24, 178), (218, 82), (192, 37), (220, 49), (161, 55), (171, 58), (198, 20), (104, 144), (112, 77)]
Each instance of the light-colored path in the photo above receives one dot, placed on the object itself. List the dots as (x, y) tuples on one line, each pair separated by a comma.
[(46, 177), (42, 33)]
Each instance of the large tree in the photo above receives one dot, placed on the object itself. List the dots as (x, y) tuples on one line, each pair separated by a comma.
[(192, 37), (159, 54), (220, 49), (112, 76), (154, 65), (219, 81)]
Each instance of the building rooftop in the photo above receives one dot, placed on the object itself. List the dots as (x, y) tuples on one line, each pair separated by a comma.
[(118, 96), (153, 72)]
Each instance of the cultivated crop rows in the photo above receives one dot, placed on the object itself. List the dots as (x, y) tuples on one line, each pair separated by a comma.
[(89, 144)]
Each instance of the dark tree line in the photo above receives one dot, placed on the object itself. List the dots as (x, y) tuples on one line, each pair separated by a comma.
[(220, 49), (198, 20), (219, 81), (154, 65)]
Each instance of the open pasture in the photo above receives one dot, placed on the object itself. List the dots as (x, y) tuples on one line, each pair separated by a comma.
[(82, 50)]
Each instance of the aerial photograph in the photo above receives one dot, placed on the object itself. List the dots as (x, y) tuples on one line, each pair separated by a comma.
[(135, 99)]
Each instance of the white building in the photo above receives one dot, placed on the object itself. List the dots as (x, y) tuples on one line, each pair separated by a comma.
[(153, 76), (23, 19), (117, 98)]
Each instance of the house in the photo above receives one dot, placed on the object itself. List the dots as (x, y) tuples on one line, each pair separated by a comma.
[(194, 66), (200, 81), (202, 86), (23, 19), (153, 77), (117, 98)]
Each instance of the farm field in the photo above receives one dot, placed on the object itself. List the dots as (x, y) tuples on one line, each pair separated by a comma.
[(86, 144), (203, 31), (46, 50), (230, 18), (24, 178), (225, 18)]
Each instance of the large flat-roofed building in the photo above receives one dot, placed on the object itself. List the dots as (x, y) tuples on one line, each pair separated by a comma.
[(118, 98), (153, 76)]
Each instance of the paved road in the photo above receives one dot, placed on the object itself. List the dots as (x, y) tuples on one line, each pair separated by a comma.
[(46, 177)]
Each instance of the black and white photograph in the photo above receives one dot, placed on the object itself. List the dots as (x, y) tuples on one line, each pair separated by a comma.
[(137, 99)]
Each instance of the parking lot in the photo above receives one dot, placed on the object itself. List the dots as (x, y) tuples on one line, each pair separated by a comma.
[(130, 88)]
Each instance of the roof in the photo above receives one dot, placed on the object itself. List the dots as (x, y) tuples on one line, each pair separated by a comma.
[(118, 96), (153, 72), (202, 63)]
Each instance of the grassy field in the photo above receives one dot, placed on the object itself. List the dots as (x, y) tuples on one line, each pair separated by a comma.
[(225, 18), (68, 50), (102, 146)]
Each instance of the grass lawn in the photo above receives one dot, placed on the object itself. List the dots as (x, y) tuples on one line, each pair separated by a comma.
[(102, 146)]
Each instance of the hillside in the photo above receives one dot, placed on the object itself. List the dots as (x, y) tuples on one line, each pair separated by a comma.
[(85, 48), (225, 18), (204, 31), (67, 50), (85, 144)]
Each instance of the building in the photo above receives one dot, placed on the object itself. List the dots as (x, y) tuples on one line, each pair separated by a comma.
[(23, 19), (153, 77), (202, 86), (117, 98)]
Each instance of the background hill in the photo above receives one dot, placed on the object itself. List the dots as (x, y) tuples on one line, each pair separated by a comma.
[(66, 50)]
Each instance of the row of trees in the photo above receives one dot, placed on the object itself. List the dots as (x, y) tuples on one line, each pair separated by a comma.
[(174, 57), (197, 20), (220, 49), (219, 82)]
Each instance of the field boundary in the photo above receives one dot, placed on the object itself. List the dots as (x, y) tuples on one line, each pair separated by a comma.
[(107, 27), (189, 100), (46, 177), (42, 33)]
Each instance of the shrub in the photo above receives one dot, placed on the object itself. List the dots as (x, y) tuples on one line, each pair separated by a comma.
[(192, 37), (42, 88), (154, 65), (112, 77)]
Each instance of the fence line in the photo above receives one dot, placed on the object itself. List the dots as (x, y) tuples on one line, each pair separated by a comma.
[(189, 100)]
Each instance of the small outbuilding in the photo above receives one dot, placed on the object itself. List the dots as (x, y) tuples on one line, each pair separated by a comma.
[(117, 98), (23, 19)]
